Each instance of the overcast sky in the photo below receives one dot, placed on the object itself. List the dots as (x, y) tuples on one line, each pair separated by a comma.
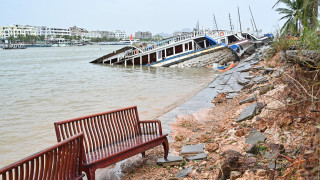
[(139, 15)]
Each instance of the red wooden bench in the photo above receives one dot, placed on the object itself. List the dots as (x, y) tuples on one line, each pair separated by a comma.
[(61, 161), (113, 136)]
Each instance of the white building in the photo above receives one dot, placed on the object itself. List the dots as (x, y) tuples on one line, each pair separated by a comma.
[(120, 34), (15, 30), (52, 32), (92, 34)]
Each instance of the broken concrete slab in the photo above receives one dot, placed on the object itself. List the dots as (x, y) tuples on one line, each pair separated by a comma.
[(184, 172), (243, 81), (170, 161), (268, 70), (200, 156), (249, 77), (255, 137), (192, 149), (260, 80), (248, 112), (248, 100)]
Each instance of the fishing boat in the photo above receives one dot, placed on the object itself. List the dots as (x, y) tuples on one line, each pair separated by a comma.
[(14, 46), (195, 49)]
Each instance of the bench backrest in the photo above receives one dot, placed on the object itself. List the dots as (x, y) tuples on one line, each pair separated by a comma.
[(103, 129), (61, 161)]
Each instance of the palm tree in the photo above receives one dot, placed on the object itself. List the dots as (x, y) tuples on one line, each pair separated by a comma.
[(293, 13), (299, 13)]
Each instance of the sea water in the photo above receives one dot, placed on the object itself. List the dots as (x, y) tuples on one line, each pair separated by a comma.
[(39, 86)]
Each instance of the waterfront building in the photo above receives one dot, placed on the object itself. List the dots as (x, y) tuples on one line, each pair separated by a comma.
[(15, 30), (76, 31), (92, 34), (143, 35), (51, 32), (120, 34)]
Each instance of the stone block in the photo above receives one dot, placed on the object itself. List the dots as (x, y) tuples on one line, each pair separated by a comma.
[(255, 137), (192, 149), (170, 161), (248, 100), (200, 156), (247, 112), (266, 88), (184, 172)]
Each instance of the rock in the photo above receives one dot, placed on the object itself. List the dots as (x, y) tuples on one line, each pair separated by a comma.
[(268, 70), (192, 149), (184, 172), (248, 100), (200, 156), (250, 111), (233, 157), (171, 161), (283, 56), (252, 148), (211, 147), (266, 88), (179, 137), (255, 137), (259, 107), (261, 172), (234, 175), (239, 132), (277, 74), (276, 149), (276, 166), (196, 130)]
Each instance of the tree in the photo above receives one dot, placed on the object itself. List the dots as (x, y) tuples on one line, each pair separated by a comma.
[(299, 14), (293, 13), (11, 39)]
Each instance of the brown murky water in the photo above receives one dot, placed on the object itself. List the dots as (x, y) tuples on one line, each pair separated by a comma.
[(42, 85)]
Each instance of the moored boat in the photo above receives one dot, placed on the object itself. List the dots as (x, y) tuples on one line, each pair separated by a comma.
[(14, 46)]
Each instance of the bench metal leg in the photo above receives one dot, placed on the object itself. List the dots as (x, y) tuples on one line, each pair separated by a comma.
[(166, 148), (143, 154)]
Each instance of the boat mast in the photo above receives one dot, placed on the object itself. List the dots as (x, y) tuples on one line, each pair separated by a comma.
[(253, 20), (252, 25), (239, 19), (231, 26), (215, 25)]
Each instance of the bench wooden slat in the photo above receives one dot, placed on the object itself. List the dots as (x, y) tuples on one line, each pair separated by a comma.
[(61, 161), (111, 136)]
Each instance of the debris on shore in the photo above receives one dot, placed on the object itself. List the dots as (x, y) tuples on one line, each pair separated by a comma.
[(264, 125)]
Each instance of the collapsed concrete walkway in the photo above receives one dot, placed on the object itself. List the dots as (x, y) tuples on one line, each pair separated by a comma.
[(230, 82)]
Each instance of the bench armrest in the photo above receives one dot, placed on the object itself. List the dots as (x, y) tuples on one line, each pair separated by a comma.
[(150, 127)]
